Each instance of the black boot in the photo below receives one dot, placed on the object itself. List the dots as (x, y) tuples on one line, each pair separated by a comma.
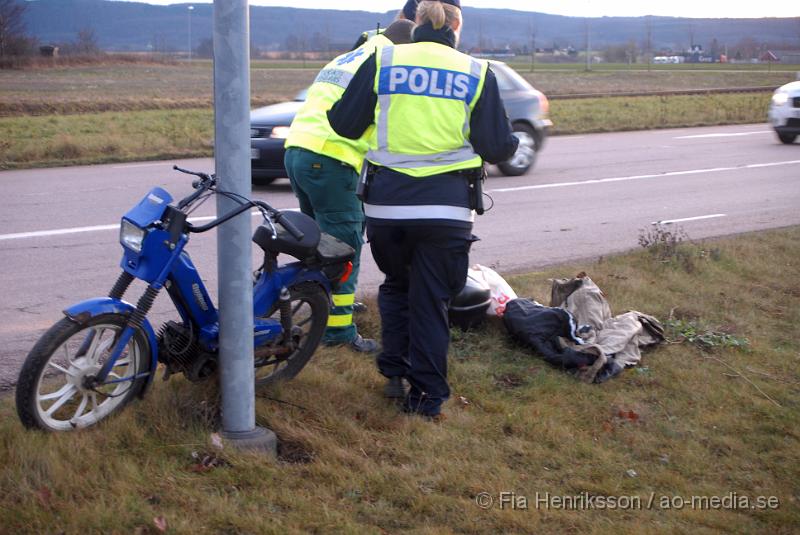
[(394, 389)]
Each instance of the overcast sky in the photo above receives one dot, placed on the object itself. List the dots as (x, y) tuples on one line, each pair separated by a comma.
[(575, 8)]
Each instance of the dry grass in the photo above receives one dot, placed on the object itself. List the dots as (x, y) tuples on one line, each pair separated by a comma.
[(96, 88), (632, 81), (72, 61), (350, 463), (140, 86)]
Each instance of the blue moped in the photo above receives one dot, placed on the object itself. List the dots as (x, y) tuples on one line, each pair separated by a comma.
[(104, 352)]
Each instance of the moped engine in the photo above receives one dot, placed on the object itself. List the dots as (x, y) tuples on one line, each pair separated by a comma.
[(179, 351)]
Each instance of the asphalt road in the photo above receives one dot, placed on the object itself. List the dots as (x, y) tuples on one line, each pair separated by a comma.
[(588, 196)]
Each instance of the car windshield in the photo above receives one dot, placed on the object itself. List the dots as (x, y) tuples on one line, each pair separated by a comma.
[(508, 79)]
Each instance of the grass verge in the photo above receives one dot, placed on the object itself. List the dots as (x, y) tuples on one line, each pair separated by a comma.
[(696, 419), (57, 140), (644, 113)]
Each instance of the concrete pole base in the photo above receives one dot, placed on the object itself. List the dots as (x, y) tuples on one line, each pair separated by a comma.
[(259, 440)]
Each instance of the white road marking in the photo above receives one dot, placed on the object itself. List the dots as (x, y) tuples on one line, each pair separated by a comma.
[(640, 177), (697, 218), (701, 136), (56, 232), (132, 166), (78, 230)]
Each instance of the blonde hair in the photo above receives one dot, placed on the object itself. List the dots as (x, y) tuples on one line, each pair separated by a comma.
[(438, 14)]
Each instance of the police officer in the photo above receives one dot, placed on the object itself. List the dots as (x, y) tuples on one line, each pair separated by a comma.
[(409, 12), (438, 116), (323, 169)]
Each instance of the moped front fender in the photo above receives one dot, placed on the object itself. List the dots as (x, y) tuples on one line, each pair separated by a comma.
[(86, 310)]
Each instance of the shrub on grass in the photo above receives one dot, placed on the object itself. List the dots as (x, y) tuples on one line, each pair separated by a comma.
[(66, 149)]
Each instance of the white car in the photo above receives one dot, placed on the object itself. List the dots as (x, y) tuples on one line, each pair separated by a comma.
[(784, 112)]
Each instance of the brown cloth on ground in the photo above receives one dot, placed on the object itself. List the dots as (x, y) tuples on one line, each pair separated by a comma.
[(615, 340)]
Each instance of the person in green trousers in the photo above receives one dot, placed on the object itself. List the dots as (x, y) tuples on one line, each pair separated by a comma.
[(324, 167)]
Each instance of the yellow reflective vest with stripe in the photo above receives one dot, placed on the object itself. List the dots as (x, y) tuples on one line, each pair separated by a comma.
[(310, 129), (426, 93)]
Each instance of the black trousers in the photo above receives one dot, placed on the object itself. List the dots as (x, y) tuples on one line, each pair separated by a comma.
[(425, 266)]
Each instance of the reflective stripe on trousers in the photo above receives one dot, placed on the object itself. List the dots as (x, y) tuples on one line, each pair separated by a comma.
[(340, 320), (343, 300), (455, 213), (341, 314)]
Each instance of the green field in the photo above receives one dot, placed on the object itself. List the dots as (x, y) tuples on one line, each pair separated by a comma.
[(76, 139), (139, 111), (713, 413)]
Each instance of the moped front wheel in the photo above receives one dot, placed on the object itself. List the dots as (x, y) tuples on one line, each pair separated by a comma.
[(54, 392), (309, 308)]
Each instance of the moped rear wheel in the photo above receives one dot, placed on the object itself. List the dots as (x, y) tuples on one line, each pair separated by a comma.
[(309, 306), (53, 393)]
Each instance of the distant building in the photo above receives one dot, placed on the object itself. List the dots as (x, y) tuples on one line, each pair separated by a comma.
[(668, 59), (788, 57), (769, 56), (492, 53), (48, 51)]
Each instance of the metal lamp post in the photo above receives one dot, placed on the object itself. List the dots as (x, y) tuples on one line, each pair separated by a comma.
[(588, 47), (588, 40), (190, 9), (232, 156)]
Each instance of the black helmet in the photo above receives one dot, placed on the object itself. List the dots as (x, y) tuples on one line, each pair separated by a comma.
[(468, 308)]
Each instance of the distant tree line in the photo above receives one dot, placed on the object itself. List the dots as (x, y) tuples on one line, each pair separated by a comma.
[(303, 44), (16, 44), (13, 40)]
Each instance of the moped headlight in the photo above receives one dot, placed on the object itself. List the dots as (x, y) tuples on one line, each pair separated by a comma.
[(779, 99), (131, 236)]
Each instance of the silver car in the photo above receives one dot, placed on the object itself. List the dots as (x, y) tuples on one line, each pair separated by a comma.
[(784, 112), (527, 110)]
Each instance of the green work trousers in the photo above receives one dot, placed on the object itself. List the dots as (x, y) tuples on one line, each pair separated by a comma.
[(326, 189)]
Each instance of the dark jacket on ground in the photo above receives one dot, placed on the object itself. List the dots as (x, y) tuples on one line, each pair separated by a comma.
[(540, 327)]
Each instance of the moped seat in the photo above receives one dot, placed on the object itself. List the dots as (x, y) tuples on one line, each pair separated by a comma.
[(332, 250), (302, 249)]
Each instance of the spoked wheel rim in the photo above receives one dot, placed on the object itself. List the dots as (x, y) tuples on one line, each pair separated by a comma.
[(64, 400), (526, 151), (302, 324)]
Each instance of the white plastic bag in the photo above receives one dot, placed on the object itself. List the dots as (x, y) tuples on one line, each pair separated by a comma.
[(501, 292)]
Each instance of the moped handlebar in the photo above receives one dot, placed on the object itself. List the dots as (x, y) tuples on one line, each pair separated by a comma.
[(276, 215), (203, 176), (220, 220), (285, 223), (207, 182)]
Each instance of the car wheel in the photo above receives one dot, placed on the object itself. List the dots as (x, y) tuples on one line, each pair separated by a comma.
[(787, 138), (525, 156)]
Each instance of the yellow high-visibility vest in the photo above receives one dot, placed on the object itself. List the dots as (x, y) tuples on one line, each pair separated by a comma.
[(311, 130), (426, 93)]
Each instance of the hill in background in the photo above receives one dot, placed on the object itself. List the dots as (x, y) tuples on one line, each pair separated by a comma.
[(133, 26)]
